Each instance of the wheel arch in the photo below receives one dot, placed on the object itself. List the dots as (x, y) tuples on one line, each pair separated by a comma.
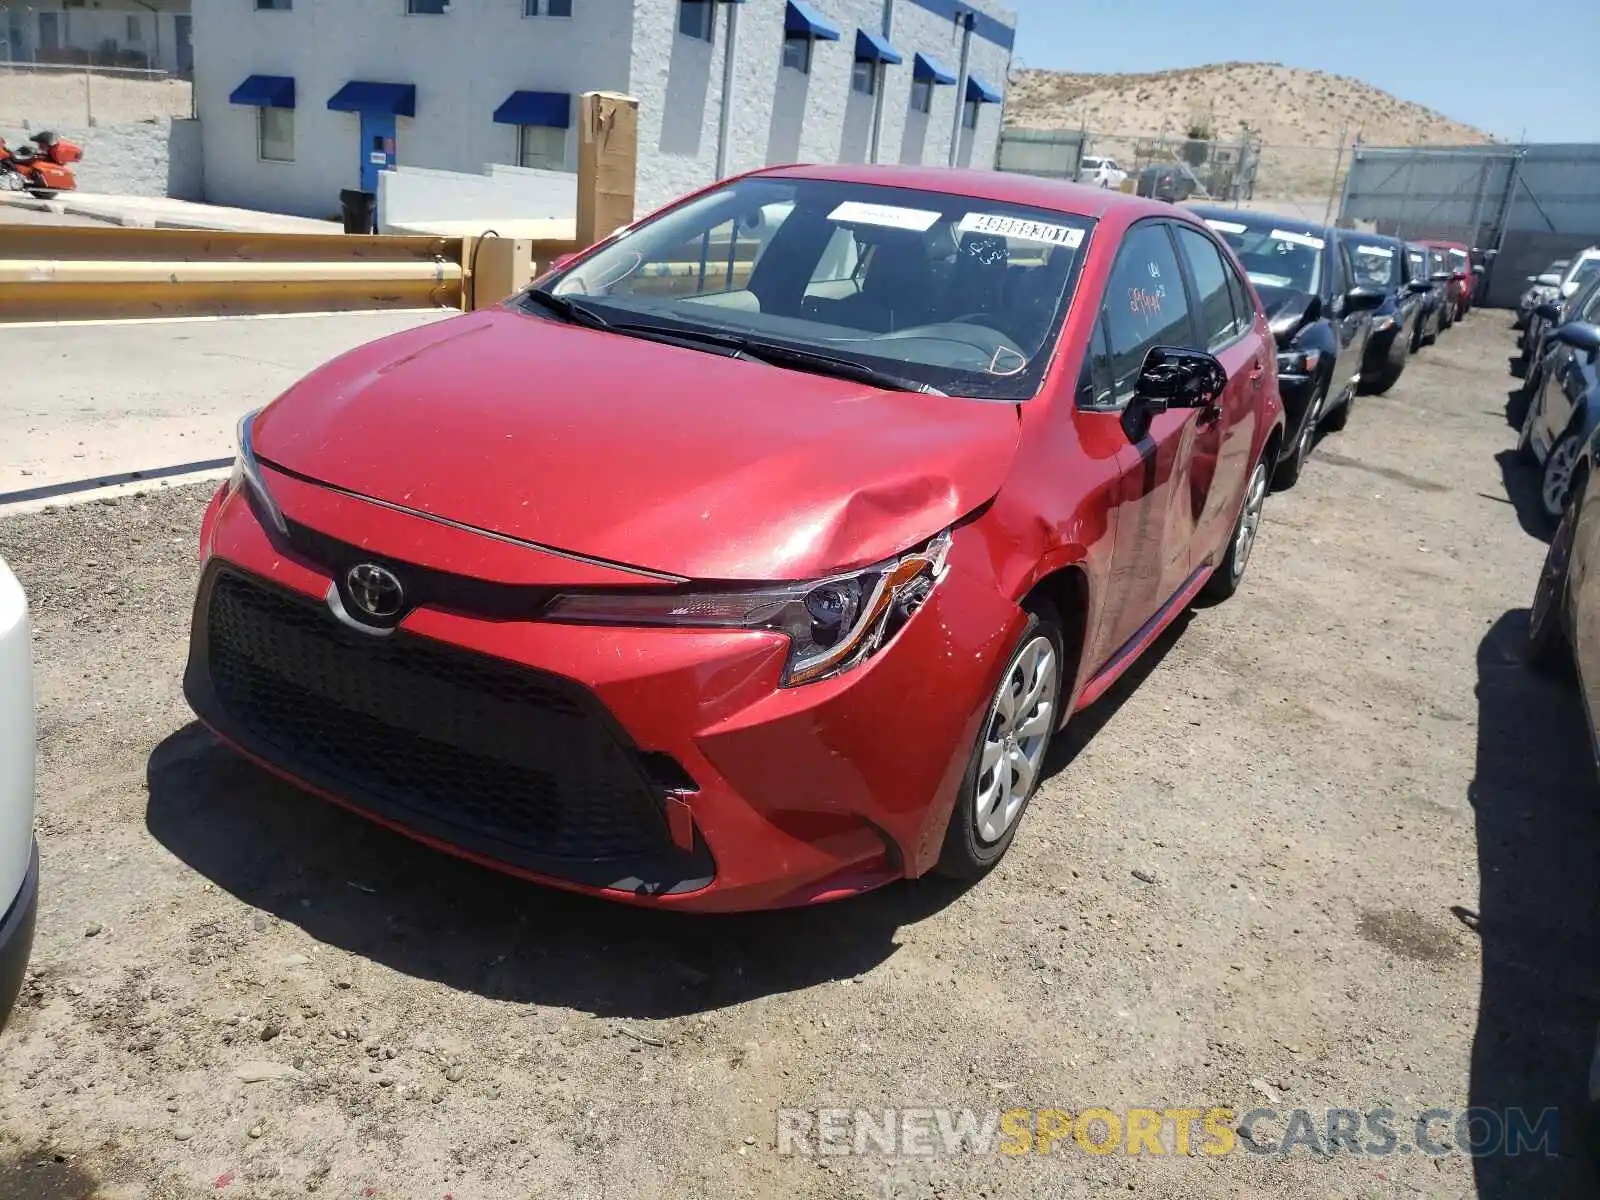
[(1067, 591)]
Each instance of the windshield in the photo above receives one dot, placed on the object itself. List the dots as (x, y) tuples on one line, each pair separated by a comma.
[(1274, 257), (1458, 260), (1437, 264), (1586, 270), (1417, 263), (1374, 264), (964, 295)]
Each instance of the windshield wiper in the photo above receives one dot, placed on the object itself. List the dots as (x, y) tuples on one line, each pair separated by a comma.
[(778, 355), (567, 308)]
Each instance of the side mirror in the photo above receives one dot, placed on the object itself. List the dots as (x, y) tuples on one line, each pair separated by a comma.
[(1177, 378), (1580, 335), (1569, 287), (1478, 270), (1363, 298), (1441, 277), (1545, 280), (1547, 311), (1419, 286)]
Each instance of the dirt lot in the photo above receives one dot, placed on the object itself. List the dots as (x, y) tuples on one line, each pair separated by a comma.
[(1334, 847)]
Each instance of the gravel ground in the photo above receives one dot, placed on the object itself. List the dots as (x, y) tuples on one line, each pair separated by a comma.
[(1333, 847)]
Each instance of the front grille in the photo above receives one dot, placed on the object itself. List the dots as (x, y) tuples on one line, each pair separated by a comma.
[(498, 758)]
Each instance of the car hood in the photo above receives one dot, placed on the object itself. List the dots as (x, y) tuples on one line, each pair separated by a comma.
[(1288, 311), (639, 453)]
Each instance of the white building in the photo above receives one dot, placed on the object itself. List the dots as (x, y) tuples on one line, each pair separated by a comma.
[(151, 34), (299, 99)]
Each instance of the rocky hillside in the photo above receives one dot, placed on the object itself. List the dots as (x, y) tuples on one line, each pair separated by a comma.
[(1283, 106)]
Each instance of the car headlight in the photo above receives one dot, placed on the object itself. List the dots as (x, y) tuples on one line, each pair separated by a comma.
[(1382, 324), (832, 624), (247, 473), (1298, 362)]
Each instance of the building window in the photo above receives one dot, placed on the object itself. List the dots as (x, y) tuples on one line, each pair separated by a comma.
[(922, 95), (430, 8), (541, 146), (697, 19), (864, 77), (274, 5), (135, 32), (275, 134), (797, 54), (969, 119), (547, 8)]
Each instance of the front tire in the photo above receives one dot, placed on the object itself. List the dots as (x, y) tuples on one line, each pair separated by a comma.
[(1225, 580), (1008, 760), (1340, 417), (1288, 472), (1547, 635)]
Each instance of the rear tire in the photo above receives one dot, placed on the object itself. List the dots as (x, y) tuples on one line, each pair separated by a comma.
[(1007, 762), (1555, 485), (1229, 573), (1547, 636)]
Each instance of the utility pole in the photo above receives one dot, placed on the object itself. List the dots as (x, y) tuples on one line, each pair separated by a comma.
[(1333, 184)]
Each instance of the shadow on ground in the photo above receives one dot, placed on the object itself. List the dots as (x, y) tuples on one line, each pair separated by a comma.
[(1522, 488), (353, 884), (43, 1173), (1537, 810)]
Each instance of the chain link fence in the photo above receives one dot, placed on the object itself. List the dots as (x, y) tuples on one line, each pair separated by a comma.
[(1305, 181)]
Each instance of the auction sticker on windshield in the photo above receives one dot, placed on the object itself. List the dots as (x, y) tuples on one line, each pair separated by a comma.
[(1022, 230), (1380, 251), (1227, 226), (919, 220), (1299, 239)]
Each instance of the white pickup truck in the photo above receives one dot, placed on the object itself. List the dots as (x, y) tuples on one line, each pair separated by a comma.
[(19, 854)]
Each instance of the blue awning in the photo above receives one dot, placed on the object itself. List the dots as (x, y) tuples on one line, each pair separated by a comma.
[(979, 92), (361, 96), (265, 91), (801, 20), (551, 109), (870, 47), (930, 69)]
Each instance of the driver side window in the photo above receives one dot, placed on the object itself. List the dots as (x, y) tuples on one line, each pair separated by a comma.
[(1145, 305)]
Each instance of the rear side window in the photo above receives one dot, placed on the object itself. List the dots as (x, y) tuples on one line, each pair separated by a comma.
[(1219, 324), (1146, 305)]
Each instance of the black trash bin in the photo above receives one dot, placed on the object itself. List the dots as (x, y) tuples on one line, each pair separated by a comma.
[(360, 211)]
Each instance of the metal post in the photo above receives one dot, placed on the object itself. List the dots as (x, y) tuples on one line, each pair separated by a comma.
[(725, 117), (966, 21), (88, 97), (1477, 204), (1511, 199), (1338, 162), (1344, 191), (880, 75)]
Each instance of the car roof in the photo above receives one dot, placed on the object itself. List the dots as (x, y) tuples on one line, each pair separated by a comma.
[(1076, 199), (1244, 216)]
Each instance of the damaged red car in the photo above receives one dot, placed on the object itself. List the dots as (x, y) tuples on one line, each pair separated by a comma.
[(753, 557)]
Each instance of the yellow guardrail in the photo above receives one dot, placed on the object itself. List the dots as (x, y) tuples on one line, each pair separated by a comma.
[(56, 273)]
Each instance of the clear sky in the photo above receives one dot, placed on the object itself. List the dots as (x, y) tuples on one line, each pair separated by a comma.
[(1499, 65)]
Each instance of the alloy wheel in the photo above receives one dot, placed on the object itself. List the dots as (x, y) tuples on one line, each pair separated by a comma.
[(1308, 431), (1020, 721), (1244, 539), (1558, 475)]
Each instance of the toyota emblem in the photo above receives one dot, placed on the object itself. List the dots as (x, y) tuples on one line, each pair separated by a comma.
[(374, 590)]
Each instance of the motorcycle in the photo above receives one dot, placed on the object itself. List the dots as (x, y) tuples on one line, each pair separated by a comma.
[(39, 166)]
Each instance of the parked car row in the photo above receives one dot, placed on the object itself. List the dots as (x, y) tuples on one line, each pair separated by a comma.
[(1348, 309), (1560, 392), (1561, 435)]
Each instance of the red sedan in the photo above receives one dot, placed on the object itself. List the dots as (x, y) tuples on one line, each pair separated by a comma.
[(1462, 281), (753, 557)]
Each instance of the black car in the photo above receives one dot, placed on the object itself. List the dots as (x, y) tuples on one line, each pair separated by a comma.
[(1382, 263), (1547, 316), (1422, 264), (1319, 314), (1167, 181)]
